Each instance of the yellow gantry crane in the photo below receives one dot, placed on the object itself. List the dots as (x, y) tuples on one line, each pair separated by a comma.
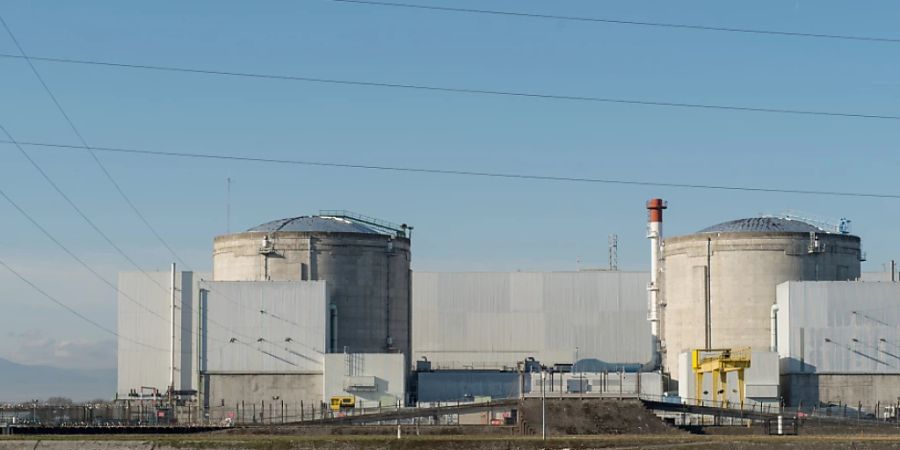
[(718, 363)]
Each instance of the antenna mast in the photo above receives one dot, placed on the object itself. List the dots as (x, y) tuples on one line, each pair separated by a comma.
[(614, 252)]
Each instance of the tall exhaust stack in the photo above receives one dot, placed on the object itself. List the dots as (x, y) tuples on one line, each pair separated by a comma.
[(655, 209)]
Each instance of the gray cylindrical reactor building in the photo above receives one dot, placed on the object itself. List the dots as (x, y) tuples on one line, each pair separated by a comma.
[(366, 268), (735, 266)]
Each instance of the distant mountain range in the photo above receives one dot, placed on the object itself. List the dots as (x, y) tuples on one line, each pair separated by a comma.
[(21, 383)]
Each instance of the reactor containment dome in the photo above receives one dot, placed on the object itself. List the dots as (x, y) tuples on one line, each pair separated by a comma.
[(365, 263), (719, 284)]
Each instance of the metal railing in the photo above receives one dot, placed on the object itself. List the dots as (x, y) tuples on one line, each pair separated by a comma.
[(398, 229)]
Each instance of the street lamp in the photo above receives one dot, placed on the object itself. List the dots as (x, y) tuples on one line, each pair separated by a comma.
[(543, 406)]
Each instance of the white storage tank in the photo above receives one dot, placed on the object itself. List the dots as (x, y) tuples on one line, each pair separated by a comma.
[(734, 267)]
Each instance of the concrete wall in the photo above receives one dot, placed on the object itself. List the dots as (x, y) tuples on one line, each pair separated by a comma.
[(761, 382), (143, 312), (839, 327), (495, 320), (368, 279), (387, 371), (229, 390), (744, 271), (263, 327), (851, 389)]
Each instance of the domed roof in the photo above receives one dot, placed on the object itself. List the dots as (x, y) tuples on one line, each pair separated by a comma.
[(763, 225), (323, 224)]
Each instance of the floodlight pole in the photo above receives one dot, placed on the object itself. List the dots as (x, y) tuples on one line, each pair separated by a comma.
[(543, 406)]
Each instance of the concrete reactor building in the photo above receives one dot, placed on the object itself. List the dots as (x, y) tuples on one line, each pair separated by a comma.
[(365, 262), (719, 284)]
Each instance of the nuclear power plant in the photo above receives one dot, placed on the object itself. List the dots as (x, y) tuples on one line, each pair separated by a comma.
[(324, 313)]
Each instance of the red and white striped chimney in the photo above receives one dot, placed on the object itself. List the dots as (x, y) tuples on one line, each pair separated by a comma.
[(655, 209)]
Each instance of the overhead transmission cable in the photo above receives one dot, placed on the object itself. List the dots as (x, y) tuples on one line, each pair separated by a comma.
[(78, 259), (72, 310), (470, 173), (462, 90), (100, 277), (75, 207), (84, 143), (105, 171), (111, 179), (82, 262), (682, 26)]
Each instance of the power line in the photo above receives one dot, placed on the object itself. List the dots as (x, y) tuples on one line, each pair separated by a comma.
[(460, 90), (108, 176), (73, 310), (81, 261), (87, 147), (473, 173), (621, 21), (75, 206), (78, 210), (112, 180), (99, 276), (78, 259)]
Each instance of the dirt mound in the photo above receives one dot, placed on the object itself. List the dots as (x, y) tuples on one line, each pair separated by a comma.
[(572, 416)]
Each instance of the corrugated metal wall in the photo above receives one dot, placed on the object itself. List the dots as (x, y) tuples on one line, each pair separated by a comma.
[(490, 320), (143, 313), (264, 326), (839, 327)]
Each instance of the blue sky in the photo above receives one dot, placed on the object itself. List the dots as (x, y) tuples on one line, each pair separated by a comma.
[(461, 223)]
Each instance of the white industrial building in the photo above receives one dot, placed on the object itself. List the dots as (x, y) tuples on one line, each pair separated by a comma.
[(250, 341), (839, 342), (305, 309), (240, 344), (283, 295), (146, 348)]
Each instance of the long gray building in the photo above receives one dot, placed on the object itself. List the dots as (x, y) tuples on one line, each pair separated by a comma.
[(476, 320)]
